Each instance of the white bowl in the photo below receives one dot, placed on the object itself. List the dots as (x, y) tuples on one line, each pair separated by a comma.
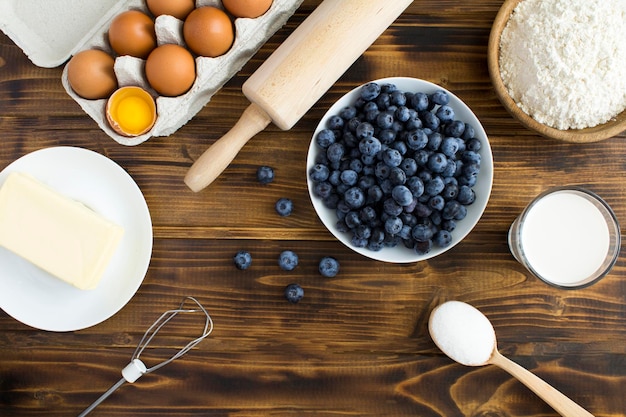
[(482, 188)]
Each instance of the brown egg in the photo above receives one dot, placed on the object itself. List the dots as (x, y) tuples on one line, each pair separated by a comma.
[(171, 70), (132, 33), (131, 111), (90, 74), (177, 8), (247, 8), (208, 31)]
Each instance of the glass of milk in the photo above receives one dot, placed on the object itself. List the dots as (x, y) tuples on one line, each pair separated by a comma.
[(567, 236)]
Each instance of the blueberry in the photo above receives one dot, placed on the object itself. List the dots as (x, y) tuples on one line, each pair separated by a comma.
[(349, 177), (437, 162), (449, 147), (358, 242), (442, 238), (468, 132), (422, 232), (356, 165), (294, 293), (348, 113), (434, 141), (398, 98), (430, 120), (466, 195), (399, 146), (397, 176), (471, 157), (450, 191), (416, 186), (423, 247), (440, 97), (323, 189), (452, 210), (473, 144), (434, 186), (370, 91), (354, 197), (370, 146), (402, 195), (388, 88), (352, 219), (288, 260), (387, 136), (366, 182), (445, 114), (393, 225), (265, 174), (335, 122), (284, 206), (455, 129), (368, 214), (392, 208), (417, 139), (242, 259), (329, 266), (335, 152), (402, 114), (419, 101), (325, 138), (319, 173), (383, 101), (374, 194), (364, 130), (409, 166), (392, 157), (362, 231), (436, 202)]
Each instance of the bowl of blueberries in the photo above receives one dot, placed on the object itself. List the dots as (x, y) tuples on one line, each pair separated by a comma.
[(399, 170)]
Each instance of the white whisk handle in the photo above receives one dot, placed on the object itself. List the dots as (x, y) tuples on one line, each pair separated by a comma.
[(134, 370)]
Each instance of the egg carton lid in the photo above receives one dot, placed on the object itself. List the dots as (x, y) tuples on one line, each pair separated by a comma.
[(49, 32)]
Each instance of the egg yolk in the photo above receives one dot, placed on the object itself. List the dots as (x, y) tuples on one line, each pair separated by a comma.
[(131, 111), (133, 114)]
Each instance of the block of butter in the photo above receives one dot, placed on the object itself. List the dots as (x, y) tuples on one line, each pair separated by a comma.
[(59, 235)]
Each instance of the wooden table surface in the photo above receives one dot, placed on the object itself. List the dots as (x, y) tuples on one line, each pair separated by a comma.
[(357, 344)]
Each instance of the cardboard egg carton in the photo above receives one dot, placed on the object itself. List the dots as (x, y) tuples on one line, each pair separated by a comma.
[(23, 20)]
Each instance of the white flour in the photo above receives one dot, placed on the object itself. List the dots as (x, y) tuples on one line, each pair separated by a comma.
[(564, 61)]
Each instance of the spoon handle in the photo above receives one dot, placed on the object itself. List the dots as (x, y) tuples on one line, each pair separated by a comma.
[(557, 400)]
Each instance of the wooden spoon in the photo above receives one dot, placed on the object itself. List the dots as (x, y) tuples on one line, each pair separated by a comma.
[(466, 336)]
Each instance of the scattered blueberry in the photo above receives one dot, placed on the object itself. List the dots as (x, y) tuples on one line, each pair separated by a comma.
[(284, 206), (265, 174), (294, 293), (288, 260), (329, 266), (399, 168), (242, 259)]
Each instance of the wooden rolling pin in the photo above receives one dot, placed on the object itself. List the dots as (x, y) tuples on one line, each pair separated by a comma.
[(298, 73)]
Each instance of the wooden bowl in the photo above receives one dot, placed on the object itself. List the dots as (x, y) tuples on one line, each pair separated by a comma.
[(592, 134)]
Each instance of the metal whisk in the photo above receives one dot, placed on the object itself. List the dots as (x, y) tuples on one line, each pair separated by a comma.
[(136, 367)]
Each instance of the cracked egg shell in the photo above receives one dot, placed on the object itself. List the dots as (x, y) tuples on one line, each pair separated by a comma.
[(131, 111)]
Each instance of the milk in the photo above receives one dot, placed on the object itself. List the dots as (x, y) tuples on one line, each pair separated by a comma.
[(565, 238)]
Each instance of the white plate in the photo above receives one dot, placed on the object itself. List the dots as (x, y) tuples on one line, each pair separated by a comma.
[(40, 300), (401, 254)]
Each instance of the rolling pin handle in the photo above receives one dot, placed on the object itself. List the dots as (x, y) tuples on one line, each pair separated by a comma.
[(217, 158)]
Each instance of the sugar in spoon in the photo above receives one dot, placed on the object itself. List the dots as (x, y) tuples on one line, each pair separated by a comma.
[(464, 334)]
